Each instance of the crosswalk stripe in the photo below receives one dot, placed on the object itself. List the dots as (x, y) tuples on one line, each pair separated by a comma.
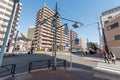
[(93, 59), (108, 67)]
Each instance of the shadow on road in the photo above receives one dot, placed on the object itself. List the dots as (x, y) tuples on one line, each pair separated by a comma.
[(22, 63)]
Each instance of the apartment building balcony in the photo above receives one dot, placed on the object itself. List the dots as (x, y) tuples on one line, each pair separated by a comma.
[(48, 24), (47, 38), (3, 23), (2, 10), (14, 26), (20, 7), (1, 38), (49, 12), (6, 5), (36, 33), (46, 46), (7, 1), (4, 17), (18, 15), (47, 34), (47, 42)]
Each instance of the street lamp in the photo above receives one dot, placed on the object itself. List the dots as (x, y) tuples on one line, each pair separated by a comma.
[(7, 31)]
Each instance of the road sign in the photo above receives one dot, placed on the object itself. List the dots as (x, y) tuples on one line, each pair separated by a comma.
[(76, 40)]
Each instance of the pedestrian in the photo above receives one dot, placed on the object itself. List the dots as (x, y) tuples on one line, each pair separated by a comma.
[(113, 57), (86, 52), (31, 51), (102, 53), (106, 57)]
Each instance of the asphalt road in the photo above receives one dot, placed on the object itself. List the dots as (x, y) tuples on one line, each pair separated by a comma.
[(79, 63)]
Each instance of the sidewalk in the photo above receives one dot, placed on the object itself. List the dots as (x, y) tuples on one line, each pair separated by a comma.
[(60, 74)]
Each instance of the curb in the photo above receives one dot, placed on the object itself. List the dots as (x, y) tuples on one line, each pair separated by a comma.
[(19, 76)]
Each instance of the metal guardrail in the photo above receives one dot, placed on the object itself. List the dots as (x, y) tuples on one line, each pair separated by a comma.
[(61, 63), (39, 64), (45, 64), (7, 70)]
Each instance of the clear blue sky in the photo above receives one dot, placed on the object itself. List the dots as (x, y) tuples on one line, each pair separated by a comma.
[(85, 11)]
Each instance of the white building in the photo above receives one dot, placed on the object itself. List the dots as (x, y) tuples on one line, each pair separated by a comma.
[(23, 44), (6, 7), (82, 44)]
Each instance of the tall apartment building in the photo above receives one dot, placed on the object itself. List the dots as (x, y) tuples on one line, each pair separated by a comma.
[(30, 34), (111, 23), (6, 7), (44, 34)]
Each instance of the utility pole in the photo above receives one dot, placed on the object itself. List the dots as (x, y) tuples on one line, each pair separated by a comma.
[(15, 43), (55, 18), (71, 49), (55, 26), (7, 31), (99, 34), (104, 37)]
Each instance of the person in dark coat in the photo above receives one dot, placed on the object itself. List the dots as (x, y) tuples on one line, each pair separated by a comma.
[(31, 51), (106, 57)]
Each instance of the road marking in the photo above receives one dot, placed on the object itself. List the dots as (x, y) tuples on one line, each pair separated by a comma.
[(109, 67), (94, 59)]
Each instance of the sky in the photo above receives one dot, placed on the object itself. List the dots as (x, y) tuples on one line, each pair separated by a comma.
[(84, 11)]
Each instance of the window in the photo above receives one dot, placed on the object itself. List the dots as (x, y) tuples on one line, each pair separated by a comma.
[(110, 17), (113, 26), (117, 37), (106, 21)]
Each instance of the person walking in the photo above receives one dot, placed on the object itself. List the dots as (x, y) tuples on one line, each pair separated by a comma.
[(102, 53), (113, 58), (106, 57)]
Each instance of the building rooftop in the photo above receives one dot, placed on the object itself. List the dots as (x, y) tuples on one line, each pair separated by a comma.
[(111, 11)]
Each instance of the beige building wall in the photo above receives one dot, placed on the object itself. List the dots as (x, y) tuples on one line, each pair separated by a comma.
[(110, 14), (112, 29), (82, 44), (30, 34)]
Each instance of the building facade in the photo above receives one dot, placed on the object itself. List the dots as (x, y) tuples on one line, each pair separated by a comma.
[(113, 35), (6, 7), (82, 44), (109, 14), (30, 34), (74, 35), (23, 45), (44, 33), (111, 22)]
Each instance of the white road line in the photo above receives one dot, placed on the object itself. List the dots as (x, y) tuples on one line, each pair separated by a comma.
[(109, 67), (94, 59)]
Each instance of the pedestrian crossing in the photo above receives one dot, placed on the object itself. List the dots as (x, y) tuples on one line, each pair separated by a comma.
[(115, 68), (94, 59)]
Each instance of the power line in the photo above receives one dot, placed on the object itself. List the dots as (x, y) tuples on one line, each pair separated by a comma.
[(90, 24), (65, 13)]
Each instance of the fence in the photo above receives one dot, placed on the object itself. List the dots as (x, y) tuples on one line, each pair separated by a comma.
[(6, 70), (45, 64)]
